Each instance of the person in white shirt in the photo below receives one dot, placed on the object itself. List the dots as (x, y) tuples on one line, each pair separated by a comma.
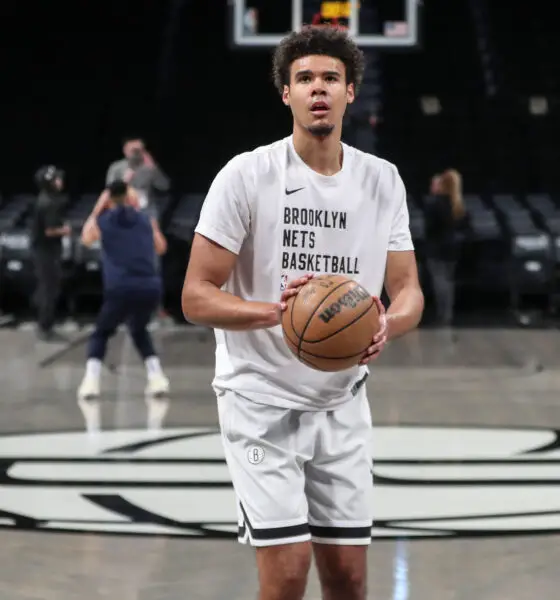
[(298, 441)]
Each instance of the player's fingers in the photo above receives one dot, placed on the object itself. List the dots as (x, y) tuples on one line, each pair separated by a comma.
[(379, 304), (375, 348), (368, 358), (299, 282), (288, 293), (381, 334), (296, 283)]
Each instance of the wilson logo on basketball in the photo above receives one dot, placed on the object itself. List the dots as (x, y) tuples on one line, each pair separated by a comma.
[(350, 299)]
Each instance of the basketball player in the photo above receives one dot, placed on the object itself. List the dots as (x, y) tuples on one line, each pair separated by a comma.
[(298, 441), (132, 286)]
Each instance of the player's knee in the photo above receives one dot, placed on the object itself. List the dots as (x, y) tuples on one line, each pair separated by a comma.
[(343, 579), (283, 571), (345, 584)]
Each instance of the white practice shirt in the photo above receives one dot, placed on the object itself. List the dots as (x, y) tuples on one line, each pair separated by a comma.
[(284, 220)]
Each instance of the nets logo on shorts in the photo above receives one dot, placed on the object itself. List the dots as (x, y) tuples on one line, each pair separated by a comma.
[(430, 481), (255, 455)]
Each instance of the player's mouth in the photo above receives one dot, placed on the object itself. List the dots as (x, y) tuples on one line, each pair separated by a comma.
[(320, 108)]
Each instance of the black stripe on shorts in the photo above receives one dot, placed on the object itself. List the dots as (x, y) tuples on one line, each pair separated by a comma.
[(271, 533), (340, 533)]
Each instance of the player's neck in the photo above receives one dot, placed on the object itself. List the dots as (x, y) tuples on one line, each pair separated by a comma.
[(323, 155)]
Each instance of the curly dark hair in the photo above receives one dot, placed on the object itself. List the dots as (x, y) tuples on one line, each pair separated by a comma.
[(312, 40)]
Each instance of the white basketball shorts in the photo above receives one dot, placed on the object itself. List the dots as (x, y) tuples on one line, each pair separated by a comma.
[(300, 475)]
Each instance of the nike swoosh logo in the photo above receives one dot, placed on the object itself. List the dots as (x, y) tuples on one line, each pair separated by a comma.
[(290, 192)]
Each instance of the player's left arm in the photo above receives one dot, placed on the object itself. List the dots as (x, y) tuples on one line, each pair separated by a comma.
[(401, 273), (401, 279), (404, 291)]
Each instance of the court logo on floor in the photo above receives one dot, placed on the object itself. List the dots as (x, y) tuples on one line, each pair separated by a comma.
[(430, 481)]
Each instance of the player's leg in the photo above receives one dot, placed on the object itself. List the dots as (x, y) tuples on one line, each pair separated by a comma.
[(265, 459), (142, 307), (283, 571), (339, 492), (111, 315), (342, 571)]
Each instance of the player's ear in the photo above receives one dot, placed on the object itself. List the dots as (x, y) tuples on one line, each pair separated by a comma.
[(350, 93), (286, 95)]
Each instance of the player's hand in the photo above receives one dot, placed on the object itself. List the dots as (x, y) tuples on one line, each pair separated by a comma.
[(265, 314), (380, 338), (294, 287)]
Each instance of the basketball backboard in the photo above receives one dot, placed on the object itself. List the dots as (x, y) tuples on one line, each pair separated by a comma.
[(372, 23)]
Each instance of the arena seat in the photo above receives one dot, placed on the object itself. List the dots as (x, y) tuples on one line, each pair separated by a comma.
[(543, 209), (506, 204), (80, 210), (16, 269), (185, 216), (13, 212), (474, 203), (541, 203)]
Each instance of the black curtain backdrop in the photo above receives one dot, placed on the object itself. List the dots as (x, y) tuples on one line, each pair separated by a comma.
[(76, 77)]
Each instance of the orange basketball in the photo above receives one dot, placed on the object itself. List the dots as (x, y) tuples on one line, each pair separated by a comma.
[(330, 323)]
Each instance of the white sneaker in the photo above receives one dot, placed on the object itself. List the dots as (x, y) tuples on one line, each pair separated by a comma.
[(92, 415), (89, 388), (158, 385), (157, 411)]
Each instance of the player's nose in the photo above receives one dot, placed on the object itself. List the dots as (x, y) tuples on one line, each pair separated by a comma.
[(318, 87)]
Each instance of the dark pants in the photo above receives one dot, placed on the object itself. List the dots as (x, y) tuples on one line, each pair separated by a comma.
[(443, 282), (48, 273), (135, 308)]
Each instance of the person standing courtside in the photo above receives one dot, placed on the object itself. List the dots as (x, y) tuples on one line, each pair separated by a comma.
[(140, 171), (444, 213), (132, 285), (47, 231)]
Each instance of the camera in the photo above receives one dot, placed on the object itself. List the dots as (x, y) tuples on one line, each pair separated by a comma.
[(136, 158)]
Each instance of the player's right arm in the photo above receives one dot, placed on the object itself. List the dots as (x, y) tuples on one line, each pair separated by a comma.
[(222, 228)]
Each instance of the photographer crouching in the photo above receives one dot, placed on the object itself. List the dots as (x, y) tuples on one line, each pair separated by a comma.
[(47, 231), (132, 286)]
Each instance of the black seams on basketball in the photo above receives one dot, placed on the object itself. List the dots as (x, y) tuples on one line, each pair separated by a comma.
[(330, 323)]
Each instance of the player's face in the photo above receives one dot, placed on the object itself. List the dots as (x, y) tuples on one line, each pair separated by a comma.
[(318, 93)]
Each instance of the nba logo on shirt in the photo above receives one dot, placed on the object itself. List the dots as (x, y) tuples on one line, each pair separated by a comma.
[(283, 282)]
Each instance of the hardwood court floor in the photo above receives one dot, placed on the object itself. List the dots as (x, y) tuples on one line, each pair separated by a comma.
[(132, 501)]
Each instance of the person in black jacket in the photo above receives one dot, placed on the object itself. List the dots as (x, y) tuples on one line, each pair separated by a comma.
[(444, 211), (47, 231)]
